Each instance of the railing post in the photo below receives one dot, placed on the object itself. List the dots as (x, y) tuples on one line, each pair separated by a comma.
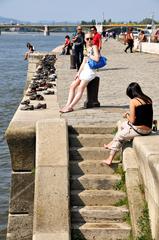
[(73, 60), (46, 31)]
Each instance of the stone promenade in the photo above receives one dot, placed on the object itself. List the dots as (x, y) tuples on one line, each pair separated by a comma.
[(121, 70)]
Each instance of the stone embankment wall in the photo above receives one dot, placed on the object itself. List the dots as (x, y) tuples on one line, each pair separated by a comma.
[(35, 139), (146, 47), (147, 152), (141, 163), (38, 164)]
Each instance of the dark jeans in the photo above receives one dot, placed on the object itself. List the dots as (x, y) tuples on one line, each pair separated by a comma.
[(130, 45), (78, 56), (68, 48)]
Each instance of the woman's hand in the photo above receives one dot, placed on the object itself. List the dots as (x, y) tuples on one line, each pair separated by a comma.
[(126, 114), (76, 76)]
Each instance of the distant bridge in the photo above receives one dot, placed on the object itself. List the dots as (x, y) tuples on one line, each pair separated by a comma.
[(66, 27)]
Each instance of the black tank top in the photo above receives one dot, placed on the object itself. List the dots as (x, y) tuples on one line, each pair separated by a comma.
[(144, 115)]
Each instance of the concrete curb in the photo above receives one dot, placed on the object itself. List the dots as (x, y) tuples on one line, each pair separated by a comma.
[(133, 183), (51, 201)]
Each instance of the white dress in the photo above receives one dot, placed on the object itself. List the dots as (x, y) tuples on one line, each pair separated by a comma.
[(87, 73)]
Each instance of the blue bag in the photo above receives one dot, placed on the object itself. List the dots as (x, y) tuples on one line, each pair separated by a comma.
[(95, 65)]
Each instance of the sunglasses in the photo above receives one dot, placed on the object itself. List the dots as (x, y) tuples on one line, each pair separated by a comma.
[(87, 39), (79, 28)]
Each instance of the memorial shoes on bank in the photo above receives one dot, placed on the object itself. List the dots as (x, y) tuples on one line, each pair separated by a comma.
[(40, 106), (49, 92), (37, 97), (30, 93), (25, 102), (27, 107), (32, 107)]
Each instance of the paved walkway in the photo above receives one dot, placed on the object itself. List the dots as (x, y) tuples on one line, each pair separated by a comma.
[(122, 69)]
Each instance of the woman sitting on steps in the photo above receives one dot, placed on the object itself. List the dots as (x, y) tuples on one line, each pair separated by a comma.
[(139, 121)]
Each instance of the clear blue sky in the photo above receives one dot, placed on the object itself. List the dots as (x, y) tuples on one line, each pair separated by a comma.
[(77, 10)]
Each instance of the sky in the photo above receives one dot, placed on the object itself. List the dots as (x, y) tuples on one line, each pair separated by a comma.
[(77, 10)]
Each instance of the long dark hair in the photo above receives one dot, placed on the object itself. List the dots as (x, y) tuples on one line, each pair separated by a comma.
[(134, 91)]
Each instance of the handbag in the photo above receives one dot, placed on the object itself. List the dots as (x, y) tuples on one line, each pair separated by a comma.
[(95, 65)]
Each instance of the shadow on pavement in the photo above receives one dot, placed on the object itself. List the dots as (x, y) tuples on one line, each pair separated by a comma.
[(112, 69)]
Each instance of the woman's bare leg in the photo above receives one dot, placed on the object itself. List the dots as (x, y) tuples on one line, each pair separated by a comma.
[(76, 98), (71, 94), (72, 90), (79, 93)]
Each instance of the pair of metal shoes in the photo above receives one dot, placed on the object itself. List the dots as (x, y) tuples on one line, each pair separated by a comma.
[(28, 106), (38, 97), (32, 107), (49, 92)]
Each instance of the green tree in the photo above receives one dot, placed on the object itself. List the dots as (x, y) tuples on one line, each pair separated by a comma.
[(93, 22), (147, 21)]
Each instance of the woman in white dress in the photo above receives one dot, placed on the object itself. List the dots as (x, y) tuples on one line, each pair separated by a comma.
[(84, 76)]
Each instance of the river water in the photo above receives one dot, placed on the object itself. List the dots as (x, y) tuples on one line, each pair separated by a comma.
[(13, 71)]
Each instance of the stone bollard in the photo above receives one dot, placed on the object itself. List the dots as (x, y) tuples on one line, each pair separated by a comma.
[(92, 94), (72, 60)]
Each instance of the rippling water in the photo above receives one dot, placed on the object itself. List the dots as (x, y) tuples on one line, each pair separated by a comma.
[(13, 70)]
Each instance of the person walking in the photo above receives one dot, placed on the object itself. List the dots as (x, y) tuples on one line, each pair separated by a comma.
[(138, 121), (141, 38), (97, 38), (129, 39), (84, 75), (78, 46)]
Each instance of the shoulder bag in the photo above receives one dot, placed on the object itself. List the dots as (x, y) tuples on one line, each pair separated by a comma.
[(95, 65)]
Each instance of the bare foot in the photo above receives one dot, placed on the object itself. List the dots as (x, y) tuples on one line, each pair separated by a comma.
[(107, 146), (63, 108), (108, 162), (66, 110)]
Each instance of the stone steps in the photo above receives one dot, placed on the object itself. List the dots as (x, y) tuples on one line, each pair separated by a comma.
[(96, 197), (98, 140), (86, 153), (94, 181), (92, 187), (92, 129), (92, 167), (98, 214), (101, 231)]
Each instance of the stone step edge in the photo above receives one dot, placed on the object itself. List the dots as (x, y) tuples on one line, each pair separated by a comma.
[(87, 135), (92, 129), (118, 212), (88, 148), (85, 161), (99, 176), (133, 183), (90, 226)]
